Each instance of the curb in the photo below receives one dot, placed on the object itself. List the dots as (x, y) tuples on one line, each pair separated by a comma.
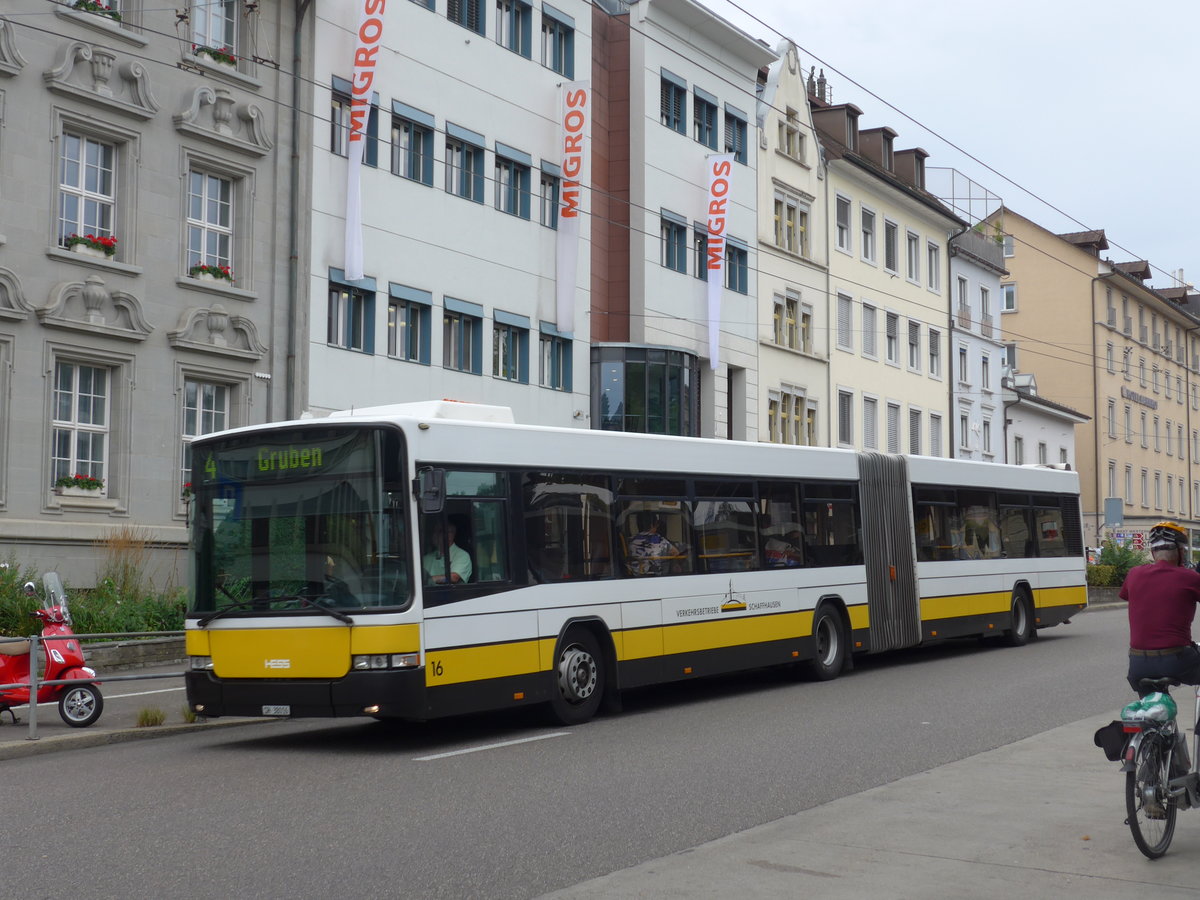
[(24, 748)]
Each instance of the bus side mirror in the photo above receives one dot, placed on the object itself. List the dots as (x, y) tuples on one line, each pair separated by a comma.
[(430, 490)]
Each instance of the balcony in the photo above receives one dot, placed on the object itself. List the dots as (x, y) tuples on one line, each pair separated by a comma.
[(985, 326), (964, 316)]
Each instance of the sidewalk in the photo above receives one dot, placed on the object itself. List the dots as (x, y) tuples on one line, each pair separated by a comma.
[(1043, 817), (123, 702)]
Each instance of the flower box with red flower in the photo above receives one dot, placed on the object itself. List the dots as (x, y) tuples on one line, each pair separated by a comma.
[(99, 246), (79, 485), (207, 272), (94, 6), (223, 55)]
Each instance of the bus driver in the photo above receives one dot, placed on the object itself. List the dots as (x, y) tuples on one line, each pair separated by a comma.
[(435, 563)]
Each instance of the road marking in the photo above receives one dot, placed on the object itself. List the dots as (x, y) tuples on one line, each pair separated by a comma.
[(479, 749)]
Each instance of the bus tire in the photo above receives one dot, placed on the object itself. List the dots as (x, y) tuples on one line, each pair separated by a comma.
[(579, 678), (829, 643), (1021, 632)]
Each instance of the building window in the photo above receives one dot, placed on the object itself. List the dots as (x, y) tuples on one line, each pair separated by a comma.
[(704, 119), (351, 317), (1008, 298), (1128, 482), (1145, 490), (791, 224), (462, 333), (985, 373), (737, 268), (914, 346), (700, 248), (87, 187), (464, 169), (870, 423), (1018, 451), (205, 410), (913, 245), (914, 432), (548, 204), (674, 242), (892, 338), (1158, 490), (1042, 458), (1008, 245), (209, 221), (845, 322), (214, 24), (964, 431), (645, 389), (1010, 357), (964, 368), (806, 327), (986, 441), (514, 26), (786, 321), (510, 349), (412, 148), (791, 138), (410, 313), (558, 42), (467, 13), (80, 427), (673, 101), (935, 353), (512, 185), (843, 224), (1129, 425), (1110, 359), (893, 428), (735, 134), (869, 336), (935, 435), (891, 246), (786, 416), (868, 235), (1112, 419), (845, 418), (556, 360), (339, 124), (935, 269)]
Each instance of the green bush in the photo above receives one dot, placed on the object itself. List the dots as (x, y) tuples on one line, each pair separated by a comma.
[(1102, 576), (1121, 557)]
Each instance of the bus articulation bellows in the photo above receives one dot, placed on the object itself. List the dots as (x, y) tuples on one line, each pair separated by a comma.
[(432, 559)]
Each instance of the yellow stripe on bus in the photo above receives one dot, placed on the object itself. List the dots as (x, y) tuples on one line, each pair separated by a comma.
[(1061, 596), (716, 633), (965, 605), (462, 664)]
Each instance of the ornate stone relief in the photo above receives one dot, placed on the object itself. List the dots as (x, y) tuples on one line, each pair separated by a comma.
[(213, 330), (11, 60), (124, 86), (13, 304), (215, 116), (89, 307)]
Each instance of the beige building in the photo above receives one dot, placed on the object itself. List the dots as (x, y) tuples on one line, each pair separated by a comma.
[(793, 276), (889, 272), (1104, 342)]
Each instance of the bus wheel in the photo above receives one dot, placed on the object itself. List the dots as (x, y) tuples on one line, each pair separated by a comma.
[(1022, 620), (829, 644), (578, 679)]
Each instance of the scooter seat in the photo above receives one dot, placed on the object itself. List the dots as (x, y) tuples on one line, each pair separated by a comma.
[(14, 648)]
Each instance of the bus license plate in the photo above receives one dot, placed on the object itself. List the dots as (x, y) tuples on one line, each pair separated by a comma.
[(277, 711)]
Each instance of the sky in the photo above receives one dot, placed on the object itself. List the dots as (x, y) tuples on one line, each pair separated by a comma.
[(1079, 115)]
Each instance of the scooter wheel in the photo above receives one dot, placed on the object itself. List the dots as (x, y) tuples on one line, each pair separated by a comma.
[(80, 705)]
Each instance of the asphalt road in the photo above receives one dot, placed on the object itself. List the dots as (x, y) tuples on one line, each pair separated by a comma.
[(499, 807)]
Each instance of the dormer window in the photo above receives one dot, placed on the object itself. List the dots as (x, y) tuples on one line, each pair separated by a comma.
[(852, 131), (889, 161)]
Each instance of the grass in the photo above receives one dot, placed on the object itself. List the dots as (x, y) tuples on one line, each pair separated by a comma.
[(150, 717)]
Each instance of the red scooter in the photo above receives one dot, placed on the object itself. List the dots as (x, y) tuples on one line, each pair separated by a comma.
[(80, 702)]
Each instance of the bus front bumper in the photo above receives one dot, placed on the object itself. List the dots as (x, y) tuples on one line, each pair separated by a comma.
[(385, 694)]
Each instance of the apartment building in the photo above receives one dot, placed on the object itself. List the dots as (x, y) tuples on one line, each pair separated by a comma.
[(677, 86), (1098, 337), (143, 194), (888, 262), (793, 255)]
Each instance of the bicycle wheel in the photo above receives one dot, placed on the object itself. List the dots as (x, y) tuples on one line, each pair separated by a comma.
[(1151, 809)]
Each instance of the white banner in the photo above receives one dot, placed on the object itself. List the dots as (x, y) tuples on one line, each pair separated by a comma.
[(720, 169), (366, 51), (574, 116)]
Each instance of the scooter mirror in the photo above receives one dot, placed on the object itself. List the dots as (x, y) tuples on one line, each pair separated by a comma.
[(30, 588)]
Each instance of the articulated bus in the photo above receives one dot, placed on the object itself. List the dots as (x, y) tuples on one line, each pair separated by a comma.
[(324, 582)]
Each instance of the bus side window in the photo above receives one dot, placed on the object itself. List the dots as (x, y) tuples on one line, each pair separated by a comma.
[(490, 548)]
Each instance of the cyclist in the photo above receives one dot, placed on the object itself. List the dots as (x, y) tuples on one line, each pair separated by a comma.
[(1162, 598)]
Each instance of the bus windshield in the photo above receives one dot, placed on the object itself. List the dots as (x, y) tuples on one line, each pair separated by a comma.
[(311, 518)]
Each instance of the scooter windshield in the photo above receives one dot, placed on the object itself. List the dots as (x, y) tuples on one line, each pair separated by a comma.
[(312, 519)]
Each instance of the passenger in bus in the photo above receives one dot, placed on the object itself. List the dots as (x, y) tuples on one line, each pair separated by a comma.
[(648, 548), (434, 561), (785, 550)]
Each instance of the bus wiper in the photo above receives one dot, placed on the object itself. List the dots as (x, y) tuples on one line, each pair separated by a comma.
[(227, 608), (336, 613)]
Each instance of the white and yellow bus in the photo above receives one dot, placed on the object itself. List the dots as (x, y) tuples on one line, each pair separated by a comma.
[(323, 584)]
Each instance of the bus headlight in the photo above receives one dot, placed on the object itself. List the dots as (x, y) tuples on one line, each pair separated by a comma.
[(373, 661), (202, 663)]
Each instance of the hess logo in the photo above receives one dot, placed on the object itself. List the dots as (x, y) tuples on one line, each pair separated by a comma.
[(277, 663)]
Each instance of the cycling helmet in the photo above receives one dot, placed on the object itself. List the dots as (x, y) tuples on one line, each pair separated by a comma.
[(1167, 536)]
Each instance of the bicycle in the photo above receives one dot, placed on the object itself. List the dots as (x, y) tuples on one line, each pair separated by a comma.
[(1150, 751)]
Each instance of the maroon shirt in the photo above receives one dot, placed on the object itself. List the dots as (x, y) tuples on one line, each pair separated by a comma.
[(1162, 603)]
